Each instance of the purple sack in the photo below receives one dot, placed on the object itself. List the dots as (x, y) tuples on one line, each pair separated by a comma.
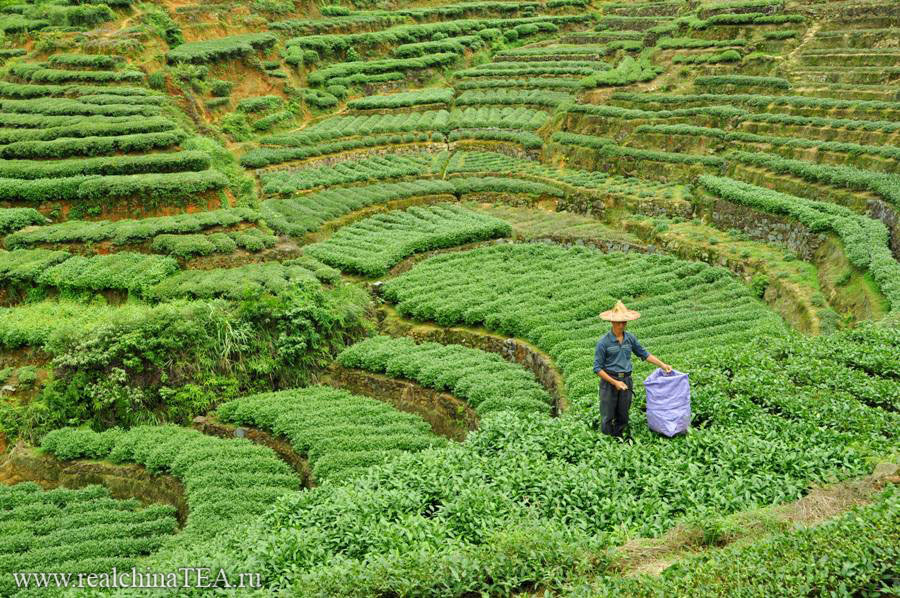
[(668, 402)]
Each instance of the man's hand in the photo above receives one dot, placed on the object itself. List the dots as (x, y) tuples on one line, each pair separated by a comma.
[(659, 363), (620, 385)]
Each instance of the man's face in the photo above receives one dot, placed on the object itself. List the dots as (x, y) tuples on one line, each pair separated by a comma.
[(618, 327)]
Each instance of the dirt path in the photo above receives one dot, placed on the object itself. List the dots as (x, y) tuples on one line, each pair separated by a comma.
[(790, 59), (653, 555)]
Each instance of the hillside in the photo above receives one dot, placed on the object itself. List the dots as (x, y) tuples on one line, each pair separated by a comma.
[(310, 292)]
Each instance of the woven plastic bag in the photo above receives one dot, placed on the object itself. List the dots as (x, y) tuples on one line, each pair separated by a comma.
[(668, 402)]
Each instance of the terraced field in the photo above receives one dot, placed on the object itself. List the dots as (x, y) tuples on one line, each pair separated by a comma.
[(307, 294)]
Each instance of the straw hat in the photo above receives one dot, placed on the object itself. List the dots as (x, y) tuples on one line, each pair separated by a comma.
[(620, 313)]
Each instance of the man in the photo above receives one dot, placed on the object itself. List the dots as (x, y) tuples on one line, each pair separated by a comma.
[(612, 362)]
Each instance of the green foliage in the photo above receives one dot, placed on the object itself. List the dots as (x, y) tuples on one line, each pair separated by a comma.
[(12, 219), (25, 91), (885, 185), (865, 239), (221, 88), (457, 45), (608, 148), (74, 531), (549, 99), (105, 166), (324, 76), (259, 157), (335, 10), (223, 242), (405, 34), (226, 481), (440, 120), (403, 100), (726, 56), (252, 280), (157, 80), (158, 20), (134, 272), (691, 42), (285, 182), (789, 142), (486, 381), (526, 139), (297, 217), (121, 232), (530, 83), (137, 364), (339, 432), (224, 48), (783, 34), (742, 81), (240, 182), (854, 550), (96, 188), (259, 104), (323, 100), (273, 6), (88, 127), (276, 118), (516, 470), (91, 146), (237, 126), (629, 70), (530, 68), (85, 61), (371, 246), (39, 73)]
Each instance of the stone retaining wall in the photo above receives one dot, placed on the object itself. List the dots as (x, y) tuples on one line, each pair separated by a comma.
[(448, 415), (212, 427), (512, 349), (25, 464)]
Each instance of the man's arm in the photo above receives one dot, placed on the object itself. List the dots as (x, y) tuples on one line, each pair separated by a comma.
[(658, 363)]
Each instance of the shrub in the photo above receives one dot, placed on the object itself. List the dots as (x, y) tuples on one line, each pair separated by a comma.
[(157, 80), (12, 219), (221, 88), (259, 104), (236, 126), (224, 48)]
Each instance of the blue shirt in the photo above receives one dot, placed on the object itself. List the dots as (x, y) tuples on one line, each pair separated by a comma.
[(614, 357)]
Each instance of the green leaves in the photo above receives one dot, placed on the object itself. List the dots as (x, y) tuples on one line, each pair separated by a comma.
[(224, 48), (340, 433), (864, 238), (371, 246), (485, 380), (222, 499), (72, 530)]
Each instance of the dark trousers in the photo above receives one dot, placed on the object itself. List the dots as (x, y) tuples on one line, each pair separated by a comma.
[(614, 406)]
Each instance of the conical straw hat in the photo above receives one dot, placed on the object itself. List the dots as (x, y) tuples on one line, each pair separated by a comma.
[(620, 313)]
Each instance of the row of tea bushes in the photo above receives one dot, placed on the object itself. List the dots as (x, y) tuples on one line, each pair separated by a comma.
[(865, 239), (373, 245), (224, 48), (486, 381), (120, 232), (340, 433), (308, 213), (156, 277), (225, 481), (75, 531)]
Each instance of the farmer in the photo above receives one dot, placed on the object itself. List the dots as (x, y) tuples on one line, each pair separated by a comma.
[(612, 362)]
